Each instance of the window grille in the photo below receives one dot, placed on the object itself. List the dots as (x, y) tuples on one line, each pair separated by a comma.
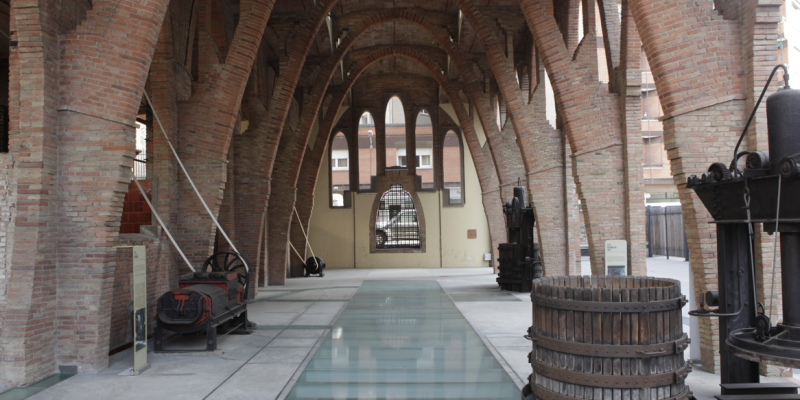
[(397, 225), (140, 161)]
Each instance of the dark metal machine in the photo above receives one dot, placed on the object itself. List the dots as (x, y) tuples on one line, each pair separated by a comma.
[(766, 193), (212, 301), (315, 266), (519, 258)]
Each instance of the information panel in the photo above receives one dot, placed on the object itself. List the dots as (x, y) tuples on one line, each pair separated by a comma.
[(616, 257), (139, 310)]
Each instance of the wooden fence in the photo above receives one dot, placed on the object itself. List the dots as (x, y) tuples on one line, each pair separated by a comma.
[(666, 235)]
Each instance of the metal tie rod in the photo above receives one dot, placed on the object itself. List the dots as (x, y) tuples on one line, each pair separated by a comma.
[(192, 183)]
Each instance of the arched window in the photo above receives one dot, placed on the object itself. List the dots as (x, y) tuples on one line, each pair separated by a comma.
[(367, 152), (396, 224), (340, 170), (452, 161), (423, 138), (395, 134)]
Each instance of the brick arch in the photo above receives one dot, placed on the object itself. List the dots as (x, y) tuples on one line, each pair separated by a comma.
[(486, 173), (593, 127), (539, 145), (690, 34), (213, 20), (213, 111), (284, 182), (328, 68), (706, 79), (509, 152), (119, 81)]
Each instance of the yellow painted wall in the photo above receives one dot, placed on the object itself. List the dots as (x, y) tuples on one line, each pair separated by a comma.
[(334, 231), (331, 230), (457, 250)]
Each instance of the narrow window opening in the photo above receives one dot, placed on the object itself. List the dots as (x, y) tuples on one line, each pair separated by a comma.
[(453, 168), (423, 139), (395, 134), (367, 151), (140, 161), (340, 170)]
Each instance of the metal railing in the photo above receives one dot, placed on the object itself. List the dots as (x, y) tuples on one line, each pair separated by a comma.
[(140, 165)]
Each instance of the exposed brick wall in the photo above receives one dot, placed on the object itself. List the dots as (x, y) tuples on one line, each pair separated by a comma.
[(212, 112), (7, 216), (707, 83), (121, 331), (539, 150), (694, 141), (628, 84), (88, 205), (689, 77), (593, 126), (135, 211), (31, 282)]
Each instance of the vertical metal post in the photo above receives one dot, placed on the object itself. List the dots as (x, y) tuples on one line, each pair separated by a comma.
[(685, 241), (790, 277), (735, 294), (648, 231), (666, 233)]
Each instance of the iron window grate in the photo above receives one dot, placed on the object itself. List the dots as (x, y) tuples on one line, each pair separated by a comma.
[(397, 225)]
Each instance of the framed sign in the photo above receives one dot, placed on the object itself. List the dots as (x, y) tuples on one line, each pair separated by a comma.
[(139, 310), (616, 257)]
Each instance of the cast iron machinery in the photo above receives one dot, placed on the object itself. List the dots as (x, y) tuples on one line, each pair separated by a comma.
[(211, 301), (314, 266), (765, 193), (519, 258)]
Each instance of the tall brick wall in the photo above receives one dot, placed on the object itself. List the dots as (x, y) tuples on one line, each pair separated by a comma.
[(694, 141), (7, 216), (708, 84)]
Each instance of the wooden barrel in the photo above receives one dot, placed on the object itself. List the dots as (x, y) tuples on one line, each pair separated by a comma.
[(604, 337)]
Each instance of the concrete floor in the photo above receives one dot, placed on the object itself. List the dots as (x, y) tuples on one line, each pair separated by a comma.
[(293, 320)]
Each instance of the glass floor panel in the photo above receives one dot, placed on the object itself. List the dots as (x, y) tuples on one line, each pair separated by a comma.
[(403, 340)]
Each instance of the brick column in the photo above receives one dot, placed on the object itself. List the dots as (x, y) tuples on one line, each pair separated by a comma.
[(281, 204), (28, 318), (195, 231), (251, 199), (93, 179), (693, 141), (628, 84), (227, 209)]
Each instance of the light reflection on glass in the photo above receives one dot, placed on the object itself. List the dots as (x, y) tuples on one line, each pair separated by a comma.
[(403, 340)]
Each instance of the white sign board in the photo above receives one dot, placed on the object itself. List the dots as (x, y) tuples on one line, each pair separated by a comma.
[(139, 310), (616, 257)]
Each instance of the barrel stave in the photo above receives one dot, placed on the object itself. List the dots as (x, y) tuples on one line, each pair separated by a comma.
[(607, 329)]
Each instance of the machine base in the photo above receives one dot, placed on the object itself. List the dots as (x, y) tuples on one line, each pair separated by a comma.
[(235, 318), (782, 348)]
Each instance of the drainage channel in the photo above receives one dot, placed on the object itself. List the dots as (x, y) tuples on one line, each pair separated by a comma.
[(403, 340)]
